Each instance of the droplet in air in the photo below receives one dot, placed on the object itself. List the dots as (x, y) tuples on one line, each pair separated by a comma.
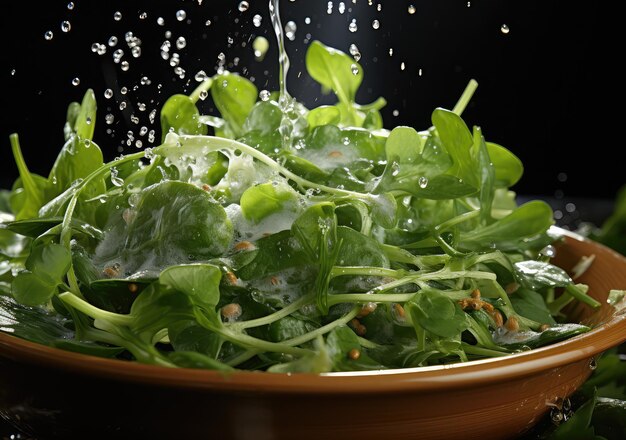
[(504, 29), (70, 5), (354, 69), (112, 41), (75, 81), (136, 51), (352, 27), (66, 26), (290, 30), (375, 24), (354, 51), (117, 16), (207, 23), (125, 66), (402, 65), (108, 93), (256, 20), (181, 42), (48, 35), (109, 118), (161, 21), (122, 105), (395, 112), (243, 6), (260, 45), (181, 15), (143, 15), (411, 9), (264, 95), (342, 7), (203, 95), (123, 90)]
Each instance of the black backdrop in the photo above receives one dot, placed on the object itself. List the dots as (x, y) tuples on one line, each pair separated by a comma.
[(548, 87)]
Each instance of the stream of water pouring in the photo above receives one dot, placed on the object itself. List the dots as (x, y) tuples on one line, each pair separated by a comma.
[(291, 114)]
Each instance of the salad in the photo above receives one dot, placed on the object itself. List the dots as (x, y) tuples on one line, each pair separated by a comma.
[(287, 240)]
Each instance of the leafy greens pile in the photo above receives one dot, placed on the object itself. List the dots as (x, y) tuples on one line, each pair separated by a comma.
[(291, 240)]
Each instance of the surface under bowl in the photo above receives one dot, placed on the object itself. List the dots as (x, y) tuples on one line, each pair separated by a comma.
[(51, 393)]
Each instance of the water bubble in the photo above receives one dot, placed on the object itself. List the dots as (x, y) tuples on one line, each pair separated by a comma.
[(256, 20), (112, 41), (48, 35), (125, 66), (201, 76), (504, 29), (181, 43), (109, 118), (66, 26), (181, 15), (243, 6), (422, 182), (70, 5), (352, 27), (290, 30), (354, 69), (117, 16), (375, 24), (108, 93), (354, 51), (264, 95), (411, 9), (75, 81)]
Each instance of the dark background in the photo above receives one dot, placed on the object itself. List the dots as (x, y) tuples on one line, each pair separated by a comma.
[(548, 87)]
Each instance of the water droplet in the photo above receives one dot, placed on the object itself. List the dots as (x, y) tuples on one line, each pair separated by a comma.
[(329, 8), (161, 21), (395, 112), (469, 4), (256, 20), (505, 29), (375, 24), (201, 76), (112, 41), (109, 118), (145, 81), (402, 66), (143, 15), (207, 23), (593, 364), (354, 51), (341, 8), (48, 35), (70, 5), (422, 182), (264, 95), (391, 51), (181, 15), (260, 45), (136, 51), (123, 90), (138, 143), (181, 43), (411, 9), (307, 20), (352, 27), (203, 95), (290, 30), (108, 93), (76, 81), (122, 105), (102, 49), (556, 415), (66, 26), (117, 16), (243, 6), (12, 72), (117, 181), (354, 69), (125, 66)]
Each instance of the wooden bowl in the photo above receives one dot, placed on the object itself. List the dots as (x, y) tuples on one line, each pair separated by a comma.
[(51, 393)]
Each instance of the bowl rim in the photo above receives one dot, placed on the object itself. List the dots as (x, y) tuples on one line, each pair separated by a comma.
[(417, 379)]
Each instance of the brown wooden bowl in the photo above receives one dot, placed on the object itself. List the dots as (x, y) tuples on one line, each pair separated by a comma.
[(52, 393)]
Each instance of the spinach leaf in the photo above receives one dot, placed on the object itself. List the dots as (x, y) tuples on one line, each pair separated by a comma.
[(437, 314), (234, 97), (180, 115), (262, 200)]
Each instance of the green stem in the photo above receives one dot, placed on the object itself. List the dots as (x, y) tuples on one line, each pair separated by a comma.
[(465, 97), (27, 179), (202, 88), (265, 320), (325, 329), (481, 351), (369, 297), (577, 293), (93, 311), (242, 357), (373, 271), (456, 220)]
